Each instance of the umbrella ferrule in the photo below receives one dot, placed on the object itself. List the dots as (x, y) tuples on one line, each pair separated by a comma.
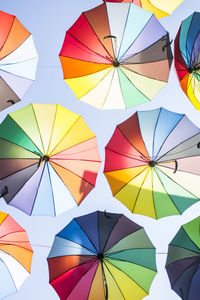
[(100, 257), (44, 158), (116, 63), (152, 163)]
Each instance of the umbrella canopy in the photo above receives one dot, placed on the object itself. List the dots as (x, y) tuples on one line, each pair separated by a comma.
[(120, 62), (187, 57), (102, 256), (15, 256), (183, 261), (152, 163), (160, 8), (18, 60), (48, 159)]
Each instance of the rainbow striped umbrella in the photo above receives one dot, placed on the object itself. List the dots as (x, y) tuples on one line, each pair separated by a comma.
[(18, 60), (48, 159), (15, 256), (102, 256), (120, 62), (183, 261), (152, 163), (187, 58), (161, 8)]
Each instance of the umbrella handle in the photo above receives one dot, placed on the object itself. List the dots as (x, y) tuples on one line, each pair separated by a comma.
[(176, 166), (167, 45), (11, 101), (4, 191), (115, 41), (106, 289)]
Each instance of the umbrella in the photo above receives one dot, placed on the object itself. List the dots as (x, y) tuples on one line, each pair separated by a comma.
[(183, 261), (120, 62), (18, 60), (160, 8), (102, 256), (187, 57), (48, 159), (15, 256), (152, 163)]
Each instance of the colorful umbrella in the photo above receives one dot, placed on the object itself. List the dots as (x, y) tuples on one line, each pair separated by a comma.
[(102, 256), (187, 57), (18, 60), (15, 256), (183, 261), (152, 163), (48, 159), (120, 62), (160, 8)]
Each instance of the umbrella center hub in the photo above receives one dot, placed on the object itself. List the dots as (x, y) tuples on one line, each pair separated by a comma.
[(45, 158), (100, 256), (116, 63), (152, 163)]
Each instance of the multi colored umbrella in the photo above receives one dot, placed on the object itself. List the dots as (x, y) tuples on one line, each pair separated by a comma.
[(18, 60), (15, 256), (102, 256), (187, 57), (160, 8), (183, 261), (120, 62), (152, 163), (48, 159)]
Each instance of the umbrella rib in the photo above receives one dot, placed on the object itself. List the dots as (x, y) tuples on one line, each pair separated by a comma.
[(52, 258), (154, 133), (130, 181), (131, 157), (156, 215), (137, 38), (164, 37), (145, 76), (65, 136), (114, 280), (64, 184), (132, 144), (121, 259), (1, 259), (54, 122), (37, 189), (38, 127), (124, 29), (21, 148), (188, 34), (129, 276), (87, 236), (197, 199), (71, 172), (140, 189), (169, 135), (109, 59), (79, 152), (167, 154), (21, 128), (121, 68), (19, 169), (111, 81)]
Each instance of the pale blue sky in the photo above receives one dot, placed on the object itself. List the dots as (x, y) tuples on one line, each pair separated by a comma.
[(48, 20)]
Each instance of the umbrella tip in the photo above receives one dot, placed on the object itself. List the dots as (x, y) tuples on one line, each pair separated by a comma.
[(100, 256), (116, 63), (152, 163)]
